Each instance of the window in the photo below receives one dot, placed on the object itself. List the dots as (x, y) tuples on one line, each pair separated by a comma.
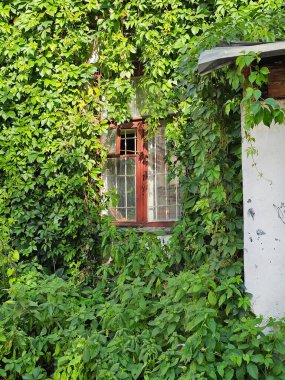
[(137, 171)]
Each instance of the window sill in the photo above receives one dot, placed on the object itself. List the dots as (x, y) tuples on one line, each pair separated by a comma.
[(146, 225)]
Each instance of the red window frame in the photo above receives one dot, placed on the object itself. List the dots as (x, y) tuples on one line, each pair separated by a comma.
[(141, 175)]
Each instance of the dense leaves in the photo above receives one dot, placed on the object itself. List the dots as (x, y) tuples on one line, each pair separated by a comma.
[(141, 321), (49, 141), (118, 305)]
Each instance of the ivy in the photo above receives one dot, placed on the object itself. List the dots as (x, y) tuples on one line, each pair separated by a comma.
[(82, 299), (49, 142)]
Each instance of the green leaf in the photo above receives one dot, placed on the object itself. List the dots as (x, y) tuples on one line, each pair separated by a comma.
[(221, 370), (15, 256), (267, 117), (264, 70), (252, 370), (86, 355), (229, 374), (222, 299), (212, 298), (255, 108), (258, 117), (228, 108), (249, 93), (194, 323), (252, 77), (171, 328), (280, 347), (257, 94), (10, 272), (195, 29), (271, 102), (240, 373)]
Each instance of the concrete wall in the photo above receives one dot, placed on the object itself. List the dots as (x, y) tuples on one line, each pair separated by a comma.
[(264, 221)]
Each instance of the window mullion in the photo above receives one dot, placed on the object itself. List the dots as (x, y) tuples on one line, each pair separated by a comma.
[(141, 185), (144, 175), (155, 176), (118, 142)]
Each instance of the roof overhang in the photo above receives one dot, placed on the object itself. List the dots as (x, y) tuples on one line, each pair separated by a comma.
[(211, 60)]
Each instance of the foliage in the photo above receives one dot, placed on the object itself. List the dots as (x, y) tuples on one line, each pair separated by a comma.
[(119, 306), (143, 321), (48, 160)]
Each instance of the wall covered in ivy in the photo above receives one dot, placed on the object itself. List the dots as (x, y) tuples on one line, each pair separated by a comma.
[(81, 299)]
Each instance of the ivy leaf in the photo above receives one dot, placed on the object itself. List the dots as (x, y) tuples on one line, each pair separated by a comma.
[(15, 255), (264, 70), (257, 94), (249, 93), (271, 102), (255, 108), (235, 83), (228, 108), (259, 116), (267, 117), (195, 29), (252, 77)]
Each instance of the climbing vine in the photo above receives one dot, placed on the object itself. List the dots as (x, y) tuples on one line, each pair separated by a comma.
[(82, 299)]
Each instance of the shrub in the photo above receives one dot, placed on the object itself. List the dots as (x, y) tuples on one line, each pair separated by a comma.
[(142, 320)]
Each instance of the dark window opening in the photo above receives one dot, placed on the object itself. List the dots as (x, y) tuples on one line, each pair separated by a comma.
[(128, 142)]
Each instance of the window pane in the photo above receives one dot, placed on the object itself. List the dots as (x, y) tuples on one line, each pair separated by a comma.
[(120, 175), (128, 142), (119, 213), (137, 103), (110, 182), (131, 191), (121, 166), (163, 196), (109, 169), (131, 166), (121, 190), (131, 213), (109, 140)]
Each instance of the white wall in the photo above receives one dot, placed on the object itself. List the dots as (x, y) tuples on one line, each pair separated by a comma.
[(264, 221)]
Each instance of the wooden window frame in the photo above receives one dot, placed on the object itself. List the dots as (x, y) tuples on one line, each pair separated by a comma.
[(141, 174)]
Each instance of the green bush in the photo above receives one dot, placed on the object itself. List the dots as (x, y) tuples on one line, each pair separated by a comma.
[(142, 320)]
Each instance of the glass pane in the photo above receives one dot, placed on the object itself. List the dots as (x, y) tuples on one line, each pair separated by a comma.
[(128, 142), (137, 103), (161, 213), (131, 213), (131, 191), (121, 166), (162, 195), (160, 152), (173, 212), (110, 167), (121, 190), (131, 165), (120, 175), (120, 213), (109, 140), (172, 193), (110, 182)]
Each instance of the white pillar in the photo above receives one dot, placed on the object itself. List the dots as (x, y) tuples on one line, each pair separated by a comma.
[(264, 221)]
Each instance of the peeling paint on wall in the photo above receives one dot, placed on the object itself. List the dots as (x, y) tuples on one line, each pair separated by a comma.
[(264, 211), (280, 211), (251, 213)]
